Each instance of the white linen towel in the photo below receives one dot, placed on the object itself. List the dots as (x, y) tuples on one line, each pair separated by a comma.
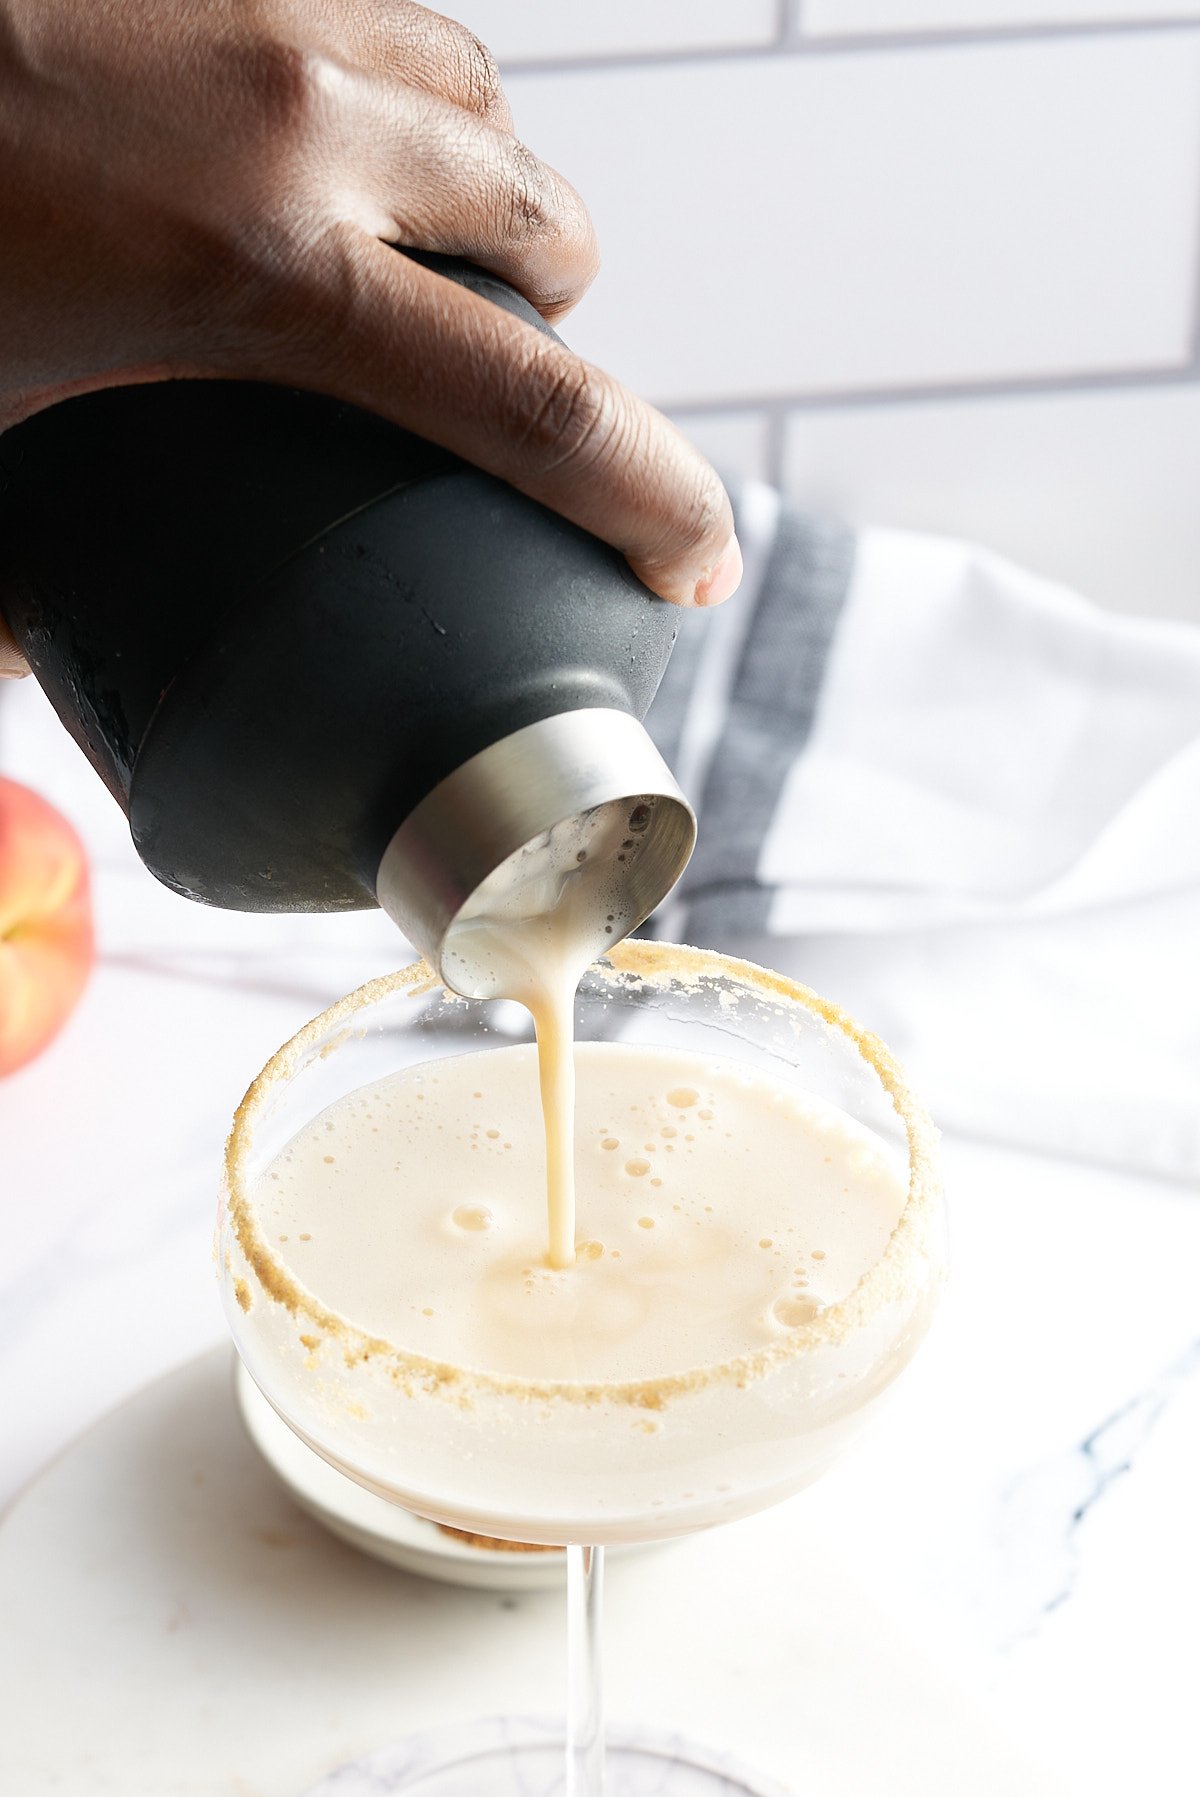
[(980, 828)]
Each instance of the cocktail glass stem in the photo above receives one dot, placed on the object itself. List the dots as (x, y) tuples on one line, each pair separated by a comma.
[(585, 1686)]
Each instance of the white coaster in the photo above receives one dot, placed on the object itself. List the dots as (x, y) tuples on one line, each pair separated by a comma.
[(174, 1626)]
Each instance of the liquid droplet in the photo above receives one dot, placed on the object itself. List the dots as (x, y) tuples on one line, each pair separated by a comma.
[(683, 1098), (792, 1312), (472, 1216)]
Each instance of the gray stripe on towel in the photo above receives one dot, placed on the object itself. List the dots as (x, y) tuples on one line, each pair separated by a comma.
[(772, 706)]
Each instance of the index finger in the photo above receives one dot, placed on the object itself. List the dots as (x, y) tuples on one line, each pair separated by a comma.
[(451, 366)]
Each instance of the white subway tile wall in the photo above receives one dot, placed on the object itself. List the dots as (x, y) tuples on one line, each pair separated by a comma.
[(792, 224), (544, 30), (1097, 489), (932, 262)]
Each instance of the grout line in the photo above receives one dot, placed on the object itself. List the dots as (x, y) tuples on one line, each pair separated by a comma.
[(1194, 359), (791, 22), (939, 393), (795, 43), (606, 62), (952, 37), (776, 435)]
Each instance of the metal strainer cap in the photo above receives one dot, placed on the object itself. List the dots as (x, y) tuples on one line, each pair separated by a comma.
[(579, 809)]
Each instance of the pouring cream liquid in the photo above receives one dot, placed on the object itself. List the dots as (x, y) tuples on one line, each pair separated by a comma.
[(718, 1207), (531, 930)]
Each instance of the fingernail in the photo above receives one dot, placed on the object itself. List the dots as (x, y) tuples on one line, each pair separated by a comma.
[(723, 578)]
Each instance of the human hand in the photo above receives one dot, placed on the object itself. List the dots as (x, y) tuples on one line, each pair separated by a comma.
[(210, 187)]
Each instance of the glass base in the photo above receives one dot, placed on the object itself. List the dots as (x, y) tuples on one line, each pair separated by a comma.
[(523, 1757)]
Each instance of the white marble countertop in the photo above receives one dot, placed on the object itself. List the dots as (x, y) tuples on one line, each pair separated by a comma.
[(1022, 1524)]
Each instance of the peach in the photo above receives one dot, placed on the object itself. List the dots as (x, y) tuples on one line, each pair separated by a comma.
[(46, 941)]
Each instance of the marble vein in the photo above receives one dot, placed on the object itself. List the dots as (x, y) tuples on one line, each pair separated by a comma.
[(1044, 1510)]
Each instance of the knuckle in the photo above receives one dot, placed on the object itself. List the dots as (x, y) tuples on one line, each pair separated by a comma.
[(528, 194), (701, 518), (288, 84), (541, 217), (482, 89), (569, 417), (706, 513), (703, 514)]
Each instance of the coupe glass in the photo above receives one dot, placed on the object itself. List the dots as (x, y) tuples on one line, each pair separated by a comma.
[(468, 1449)]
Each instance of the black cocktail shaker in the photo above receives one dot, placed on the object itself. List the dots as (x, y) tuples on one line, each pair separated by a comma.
[(323, 664)]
